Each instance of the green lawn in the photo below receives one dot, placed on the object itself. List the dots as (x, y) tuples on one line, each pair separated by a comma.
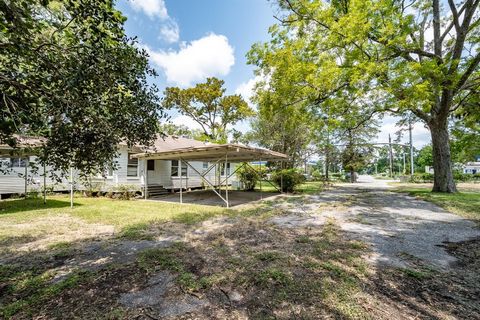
[(463, 203), (24, 220), (119, 213)]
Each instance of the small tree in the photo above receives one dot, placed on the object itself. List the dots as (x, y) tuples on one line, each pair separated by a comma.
[(248, 177), (288, 179)]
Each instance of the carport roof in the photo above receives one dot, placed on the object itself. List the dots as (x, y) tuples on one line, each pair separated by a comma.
[(213, 152)]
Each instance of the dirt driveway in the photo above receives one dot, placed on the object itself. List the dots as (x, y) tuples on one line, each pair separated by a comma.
[(400, 228)]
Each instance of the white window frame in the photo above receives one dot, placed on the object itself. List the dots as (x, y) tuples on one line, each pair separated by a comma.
[(18, 162), (175, 164), (132, 165), (222, 169), (205, 166)]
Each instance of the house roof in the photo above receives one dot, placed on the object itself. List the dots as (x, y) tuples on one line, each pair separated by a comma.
[(212, 152), (26, 145), (170, 148)]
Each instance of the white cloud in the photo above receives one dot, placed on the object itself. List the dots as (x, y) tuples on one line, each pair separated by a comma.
[(152, 8), (170, 32), (209, 56), (183, 120), (420, 134), (245, 89)]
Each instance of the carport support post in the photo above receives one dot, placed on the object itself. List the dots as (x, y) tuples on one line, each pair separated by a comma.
[(261, 194), (44, 183), (71, 187), (145, 177), (281, 177), (181, 179), (226, 180), (26, 176)]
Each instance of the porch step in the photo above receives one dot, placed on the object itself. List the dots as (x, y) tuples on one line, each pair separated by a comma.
[(156, 190)]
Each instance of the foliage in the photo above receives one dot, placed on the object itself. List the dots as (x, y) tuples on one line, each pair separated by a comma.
[(92, 187), (422, 177), (175, 130), (69, 74), (465, 141), (288, 178), (424, 158), (281, 126), (248, 177), (317, 175), (126, 191), (207, 104), (378, 50)]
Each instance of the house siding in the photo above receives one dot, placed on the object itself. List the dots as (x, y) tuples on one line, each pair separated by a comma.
[(11, 182)]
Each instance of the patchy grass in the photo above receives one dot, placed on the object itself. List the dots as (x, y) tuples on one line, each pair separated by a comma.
[(417, 274), (27, 221), (463, 203), (28, 288), (119, 213)]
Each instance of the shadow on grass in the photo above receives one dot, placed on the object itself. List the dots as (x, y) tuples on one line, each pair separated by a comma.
[(466, 204), (297, 273), (19, 205)]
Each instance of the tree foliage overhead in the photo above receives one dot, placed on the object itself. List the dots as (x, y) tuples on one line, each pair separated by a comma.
[(207, 105), (69, 73), (417, 57)]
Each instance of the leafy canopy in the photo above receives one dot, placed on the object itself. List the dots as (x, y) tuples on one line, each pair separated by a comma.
[(69, 73), (384, 51), (207, 104)]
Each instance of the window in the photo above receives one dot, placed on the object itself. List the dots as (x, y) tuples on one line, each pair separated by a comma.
[(175, 169), (109, 172), (18, 162), (151, 165), (132, 166), (205, 166), (223, 169)]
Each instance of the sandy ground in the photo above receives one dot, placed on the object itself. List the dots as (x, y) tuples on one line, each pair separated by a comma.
[(400, 228)]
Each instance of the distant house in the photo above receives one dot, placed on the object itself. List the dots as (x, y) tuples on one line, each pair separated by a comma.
[(472, 167), (159, 174)]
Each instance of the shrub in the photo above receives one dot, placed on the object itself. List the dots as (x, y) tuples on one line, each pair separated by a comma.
[(248, 177), (462, 177), (126, 191), (421, 177), (92, 187), (317, 175), (291, 178)]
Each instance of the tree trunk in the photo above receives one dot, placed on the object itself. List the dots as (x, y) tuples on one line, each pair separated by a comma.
[(442, 164), (352, 176)]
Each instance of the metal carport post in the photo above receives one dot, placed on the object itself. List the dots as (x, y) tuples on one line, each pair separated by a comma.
[(207, 181)]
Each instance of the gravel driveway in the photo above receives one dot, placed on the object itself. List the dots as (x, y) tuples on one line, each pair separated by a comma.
[(401, 229)]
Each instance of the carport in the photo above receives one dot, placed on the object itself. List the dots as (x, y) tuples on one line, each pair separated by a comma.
[(215, 154)]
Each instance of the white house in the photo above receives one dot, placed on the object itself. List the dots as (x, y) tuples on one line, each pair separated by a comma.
[(160, 175), (472, 167)]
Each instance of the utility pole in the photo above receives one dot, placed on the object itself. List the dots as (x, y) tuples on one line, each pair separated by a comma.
[(404, 164), (411, 150), (390, 154)]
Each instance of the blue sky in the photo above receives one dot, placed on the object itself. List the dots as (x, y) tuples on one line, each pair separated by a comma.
[(212, 24), (190, 40)]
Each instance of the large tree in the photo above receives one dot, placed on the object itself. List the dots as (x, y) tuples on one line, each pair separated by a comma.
[(69, 74), (207, 104), (417, 57)]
